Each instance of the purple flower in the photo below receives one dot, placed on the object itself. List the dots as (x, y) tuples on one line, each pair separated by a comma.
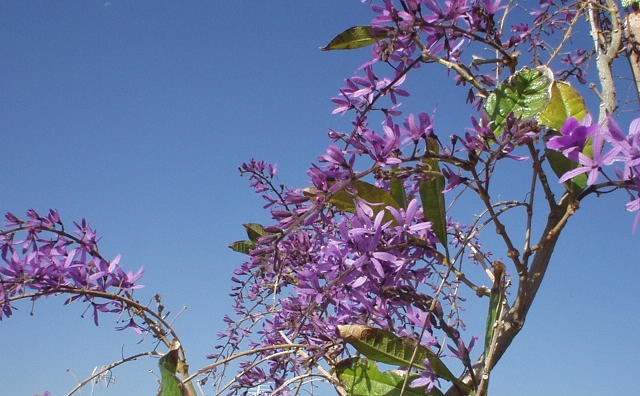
[(573, 137), (634, 206), (627, 145), (493, 6), (427, 379), (131, 325), (592, 165), (419, 130), (462, 351), (453, 179)]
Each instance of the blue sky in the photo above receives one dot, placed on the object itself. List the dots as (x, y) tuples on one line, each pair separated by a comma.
[(136, 115)]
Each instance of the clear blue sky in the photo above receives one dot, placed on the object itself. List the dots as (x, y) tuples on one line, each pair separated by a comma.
[(136, 115)]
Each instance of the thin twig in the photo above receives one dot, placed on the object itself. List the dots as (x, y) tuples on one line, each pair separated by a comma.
[(241, 354), (110, 367)]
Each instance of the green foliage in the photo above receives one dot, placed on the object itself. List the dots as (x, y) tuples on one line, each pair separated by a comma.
[(495, 302), (492, 318), (254, 232), (565, 102), (385, 347), (433, 202), (355, 37), (398, 192), (243, 247), (525, 94), (361, 377), (379, 198), (170, 384)]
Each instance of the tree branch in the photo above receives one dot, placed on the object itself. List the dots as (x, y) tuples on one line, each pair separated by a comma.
[(528, 287)]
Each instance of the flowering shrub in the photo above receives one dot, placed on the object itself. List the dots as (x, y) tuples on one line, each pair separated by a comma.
[(369, 263), (371, 250)]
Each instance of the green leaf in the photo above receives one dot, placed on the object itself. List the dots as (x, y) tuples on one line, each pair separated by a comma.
[(526, 94), (355, 37), (492, 317), (344, 201), (242, 246), (398, 192), (379, 198), (386, 347), (433, 202), (561, 165), (361, 377), (170, 384), (495, 302), (255, 231), (565, 102), (373, 194)]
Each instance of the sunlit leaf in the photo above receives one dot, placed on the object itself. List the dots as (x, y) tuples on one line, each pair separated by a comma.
[(526, 94), (355, 37), (565, 102), (242, 246), (385, 347), (373, 194), (398, 192), (495, 301), (346, 199), (433, 202), (170, 384), (361, 377), (255, 231)]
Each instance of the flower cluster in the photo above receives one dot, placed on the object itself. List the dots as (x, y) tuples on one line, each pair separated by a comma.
[(596, 146), (372, 266), (41, 258)]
